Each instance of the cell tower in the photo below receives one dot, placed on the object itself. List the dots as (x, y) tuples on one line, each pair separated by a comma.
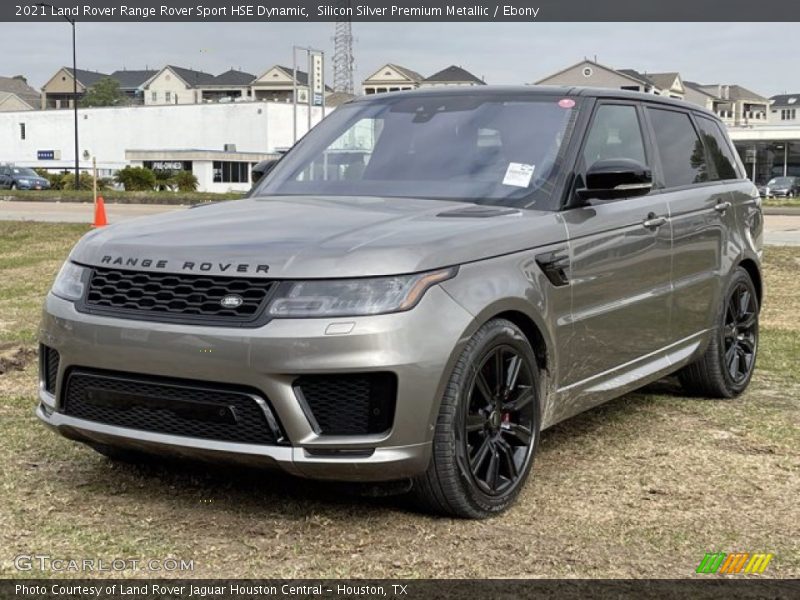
[(343, 49)]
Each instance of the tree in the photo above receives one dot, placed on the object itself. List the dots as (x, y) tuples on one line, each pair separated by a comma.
[(105, 92), (136, 179), (186, 181)]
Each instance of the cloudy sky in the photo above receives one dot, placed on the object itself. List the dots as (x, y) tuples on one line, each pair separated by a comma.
[(758, 56)]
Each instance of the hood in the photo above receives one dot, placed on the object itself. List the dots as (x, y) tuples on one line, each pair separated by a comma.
[(317, 237)]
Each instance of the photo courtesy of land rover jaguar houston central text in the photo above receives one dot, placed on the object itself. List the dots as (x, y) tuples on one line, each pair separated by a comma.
[(417, 289)]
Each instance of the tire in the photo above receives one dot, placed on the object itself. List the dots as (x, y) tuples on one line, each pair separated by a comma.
[(726, 367), (13, 186), (478, 471)]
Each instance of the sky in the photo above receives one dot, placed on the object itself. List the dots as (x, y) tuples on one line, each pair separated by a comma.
[(758, 56)]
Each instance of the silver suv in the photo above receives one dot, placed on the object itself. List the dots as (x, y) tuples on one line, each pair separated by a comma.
[(417, 289)]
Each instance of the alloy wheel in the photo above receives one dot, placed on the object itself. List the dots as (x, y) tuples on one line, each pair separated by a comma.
[(740, 333), (500, 420)]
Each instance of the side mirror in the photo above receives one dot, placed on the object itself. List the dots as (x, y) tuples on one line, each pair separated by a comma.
[(616, 178), (262, 168)]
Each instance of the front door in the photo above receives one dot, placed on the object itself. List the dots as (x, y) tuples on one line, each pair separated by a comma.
[(620, 263)]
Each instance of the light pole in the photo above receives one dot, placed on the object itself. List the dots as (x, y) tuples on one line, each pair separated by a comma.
[(74, 94)]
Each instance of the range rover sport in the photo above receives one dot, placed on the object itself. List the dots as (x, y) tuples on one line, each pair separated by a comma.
[(424, 283)]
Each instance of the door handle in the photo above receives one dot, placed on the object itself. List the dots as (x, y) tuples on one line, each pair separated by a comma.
[(722, 206), (654, 222)]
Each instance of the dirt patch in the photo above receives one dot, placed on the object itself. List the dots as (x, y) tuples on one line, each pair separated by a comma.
[(15, 357)]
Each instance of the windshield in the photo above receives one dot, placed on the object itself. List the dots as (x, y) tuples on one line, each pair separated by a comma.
[(474, 148), (22, 172)]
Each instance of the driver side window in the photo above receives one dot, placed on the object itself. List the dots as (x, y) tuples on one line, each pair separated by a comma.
[(615, 133)]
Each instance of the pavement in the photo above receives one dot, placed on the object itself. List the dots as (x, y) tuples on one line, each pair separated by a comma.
[(781, 226)]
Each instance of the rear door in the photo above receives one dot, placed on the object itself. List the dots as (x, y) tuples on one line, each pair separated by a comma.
[(697, 185), (620, 258)]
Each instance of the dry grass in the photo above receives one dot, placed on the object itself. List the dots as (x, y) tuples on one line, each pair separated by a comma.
[(641, 487)]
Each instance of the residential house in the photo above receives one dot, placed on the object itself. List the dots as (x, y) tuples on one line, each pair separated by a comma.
[(58, 92), (277, 84), (784, 109), (593, 74), (738, 106), (131, 83), (16, 94), (694, 93), (391, 78), (179, 85), (452, 75)]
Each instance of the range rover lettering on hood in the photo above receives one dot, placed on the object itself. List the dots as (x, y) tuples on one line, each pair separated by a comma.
[(185, 265)]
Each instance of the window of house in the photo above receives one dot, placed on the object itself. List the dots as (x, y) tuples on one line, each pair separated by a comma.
[(154, 96), (788, 114), (168, 96), (719, 150), (683, 158), (615, 133), (22, 131), (231, 172)]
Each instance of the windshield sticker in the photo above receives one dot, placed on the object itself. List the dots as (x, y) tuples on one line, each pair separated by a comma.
[(518, 174), (566, 103)]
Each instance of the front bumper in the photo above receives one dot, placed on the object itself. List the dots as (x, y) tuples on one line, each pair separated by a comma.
[(269, 359)]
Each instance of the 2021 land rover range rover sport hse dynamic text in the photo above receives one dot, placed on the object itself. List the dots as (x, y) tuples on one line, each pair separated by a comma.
[(416, 290)]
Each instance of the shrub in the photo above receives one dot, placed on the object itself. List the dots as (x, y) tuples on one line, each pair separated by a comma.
[(56, 179), (186, 181), (85, 181), (136, 179)]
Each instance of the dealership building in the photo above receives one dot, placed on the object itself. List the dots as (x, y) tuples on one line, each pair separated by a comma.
[(768, 151), (219, 143)]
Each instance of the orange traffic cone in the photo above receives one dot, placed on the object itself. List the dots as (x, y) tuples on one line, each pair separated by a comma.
[(99, 213)]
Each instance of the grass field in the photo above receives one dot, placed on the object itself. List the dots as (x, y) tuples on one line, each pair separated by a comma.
[(641, 487)]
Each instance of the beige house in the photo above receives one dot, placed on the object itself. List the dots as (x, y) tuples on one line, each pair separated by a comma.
[(452, 75), (178, 85), (593, 74), (16, 94), (277, 84), (58, 91), (738, 106), (391, 78)]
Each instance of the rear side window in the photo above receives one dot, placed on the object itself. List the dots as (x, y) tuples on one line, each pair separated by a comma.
[(615, 133), (683, 159), (719, 150)]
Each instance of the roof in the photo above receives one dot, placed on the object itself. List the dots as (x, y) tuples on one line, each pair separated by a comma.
[(785, 99), (455, 74), (338, 98), (19, 87), (234, 77), (622, 73), (736, 92), (633, 74), (405, 72), (697, 87), (132, 79), (192, 77), (87, 78), (663, 80), (556, 91)]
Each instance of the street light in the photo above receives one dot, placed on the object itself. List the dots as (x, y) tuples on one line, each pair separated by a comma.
[(74, 93)]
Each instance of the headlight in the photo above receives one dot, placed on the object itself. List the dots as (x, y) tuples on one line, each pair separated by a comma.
[(354, 297), (69, 282)]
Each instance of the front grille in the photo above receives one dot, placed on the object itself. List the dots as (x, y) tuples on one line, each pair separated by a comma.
[(175, 407), (352, 404), (48, 367), (175, 297)]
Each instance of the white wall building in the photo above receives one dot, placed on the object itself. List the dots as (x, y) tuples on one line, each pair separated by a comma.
[(110, 134)]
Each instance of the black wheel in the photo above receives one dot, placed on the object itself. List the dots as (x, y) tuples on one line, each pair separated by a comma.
[(726, 367), (13, 186), (488, 427)]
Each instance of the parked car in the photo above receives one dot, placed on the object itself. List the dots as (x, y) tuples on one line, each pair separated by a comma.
[(21, 178), (501, 260), (782, 187)]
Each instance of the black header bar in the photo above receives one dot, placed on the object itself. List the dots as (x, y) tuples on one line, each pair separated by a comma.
[(405, 10)]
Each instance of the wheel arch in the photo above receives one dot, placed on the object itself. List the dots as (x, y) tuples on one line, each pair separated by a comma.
[(752, 268)]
